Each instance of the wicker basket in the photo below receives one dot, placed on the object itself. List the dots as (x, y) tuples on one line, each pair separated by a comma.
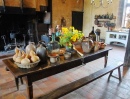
[(27, 66)]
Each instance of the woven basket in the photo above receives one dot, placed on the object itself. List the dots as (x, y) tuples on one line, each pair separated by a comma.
[(27, 66)]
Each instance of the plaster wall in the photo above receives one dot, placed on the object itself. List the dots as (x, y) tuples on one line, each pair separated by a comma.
[(64, 9), (90, 12), (14, 3)]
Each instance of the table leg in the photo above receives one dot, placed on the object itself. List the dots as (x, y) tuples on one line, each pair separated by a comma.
[(17, 83), (105, 59), (29, 89), (21, 80), (119, 73)]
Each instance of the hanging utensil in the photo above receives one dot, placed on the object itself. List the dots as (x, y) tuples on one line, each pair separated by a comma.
[(4, 37)]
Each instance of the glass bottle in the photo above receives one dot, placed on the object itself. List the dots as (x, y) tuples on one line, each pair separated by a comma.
[(53, 46), (92, 34), (58, 32)]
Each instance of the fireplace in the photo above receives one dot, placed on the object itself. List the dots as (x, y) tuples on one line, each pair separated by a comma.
[(21, 28), (13, 28)]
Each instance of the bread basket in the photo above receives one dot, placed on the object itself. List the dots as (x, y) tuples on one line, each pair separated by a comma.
[(28, 65)]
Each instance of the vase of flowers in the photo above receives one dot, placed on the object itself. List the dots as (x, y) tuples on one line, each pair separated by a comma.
[(69, 36)]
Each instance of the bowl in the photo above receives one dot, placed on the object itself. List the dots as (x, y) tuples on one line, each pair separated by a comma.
[(30, 65), (67, 55)]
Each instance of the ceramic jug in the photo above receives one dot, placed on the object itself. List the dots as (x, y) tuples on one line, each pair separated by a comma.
[(30, 46), (41, 52)]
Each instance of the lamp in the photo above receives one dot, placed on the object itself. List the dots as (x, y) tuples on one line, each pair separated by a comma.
[(101, 3)]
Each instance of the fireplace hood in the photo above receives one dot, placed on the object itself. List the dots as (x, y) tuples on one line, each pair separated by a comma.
[(17, 7)]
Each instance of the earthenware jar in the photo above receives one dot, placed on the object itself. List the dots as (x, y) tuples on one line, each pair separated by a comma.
[(29, 47), (41, 52)]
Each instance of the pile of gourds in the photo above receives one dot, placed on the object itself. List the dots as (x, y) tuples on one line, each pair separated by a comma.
[(24, 58)]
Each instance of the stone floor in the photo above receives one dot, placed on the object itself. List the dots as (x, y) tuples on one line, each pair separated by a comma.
[(98, 89)]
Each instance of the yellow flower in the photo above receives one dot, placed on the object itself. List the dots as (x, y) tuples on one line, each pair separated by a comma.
[(70, 44), (64, 30), (73, 38), (75, 31), (71, 28), (69, 36)]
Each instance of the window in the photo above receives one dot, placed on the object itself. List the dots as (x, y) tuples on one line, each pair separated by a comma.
[(127, 14)]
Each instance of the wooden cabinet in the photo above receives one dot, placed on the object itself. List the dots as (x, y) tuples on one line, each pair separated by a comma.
[(117, 38)]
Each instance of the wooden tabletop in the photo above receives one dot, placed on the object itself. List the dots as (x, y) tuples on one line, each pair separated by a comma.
[(63, 65)]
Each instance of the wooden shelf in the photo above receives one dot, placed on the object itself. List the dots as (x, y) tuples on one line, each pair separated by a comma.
[(103, 20)]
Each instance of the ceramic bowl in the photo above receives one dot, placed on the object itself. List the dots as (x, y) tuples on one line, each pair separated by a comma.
[(67, 55), (53, 57)]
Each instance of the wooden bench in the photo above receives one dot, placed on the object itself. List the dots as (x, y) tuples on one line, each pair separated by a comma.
[(54, 94)]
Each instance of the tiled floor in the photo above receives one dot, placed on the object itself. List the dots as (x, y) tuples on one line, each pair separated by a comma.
[(99, 89)]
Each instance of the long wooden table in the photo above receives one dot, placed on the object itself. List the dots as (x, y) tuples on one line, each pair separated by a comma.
[(44, 70)]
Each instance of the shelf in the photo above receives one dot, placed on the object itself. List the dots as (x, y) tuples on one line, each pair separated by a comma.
[(104, 20)]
